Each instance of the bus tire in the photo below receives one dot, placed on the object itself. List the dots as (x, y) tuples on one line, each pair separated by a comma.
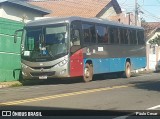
[(127, 72), (88, 72), (20, 76)]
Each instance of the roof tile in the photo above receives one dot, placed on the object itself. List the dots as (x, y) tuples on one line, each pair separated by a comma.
[(150, 28), (82, 8), (151, 25)]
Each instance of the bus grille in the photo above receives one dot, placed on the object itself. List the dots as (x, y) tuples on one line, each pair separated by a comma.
[(44, 67), (43, 73)]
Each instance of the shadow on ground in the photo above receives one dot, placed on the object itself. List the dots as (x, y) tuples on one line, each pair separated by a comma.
[(148, 85), (55, 81), (31, 82)]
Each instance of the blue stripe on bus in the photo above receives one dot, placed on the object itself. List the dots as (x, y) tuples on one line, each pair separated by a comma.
[(115, 64), (138, 63)]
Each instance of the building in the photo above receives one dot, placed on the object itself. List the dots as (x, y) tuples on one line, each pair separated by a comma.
[(106, 9), (152, 29), (129, 18), (20, 10)]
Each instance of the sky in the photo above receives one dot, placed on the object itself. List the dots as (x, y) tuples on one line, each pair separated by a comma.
[(150, 8)]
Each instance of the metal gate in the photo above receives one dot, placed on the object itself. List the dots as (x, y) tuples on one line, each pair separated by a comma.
[(10, 62)]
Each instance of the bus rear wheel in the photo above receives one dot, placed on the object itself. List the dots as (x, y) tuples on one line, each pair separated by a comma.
[(88, 73), (127, 72)]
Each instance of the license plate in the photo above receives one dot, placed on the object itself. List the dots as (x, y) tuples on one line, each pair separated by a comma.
[(42, 77)]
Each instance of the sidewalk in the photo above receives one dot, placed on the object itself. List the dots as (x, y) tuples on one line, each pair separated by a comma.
[(10, 84)]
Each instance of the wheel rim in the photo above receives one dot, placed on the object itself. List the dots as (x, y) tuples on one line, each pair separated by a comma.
[(128, 70), (86, 72)]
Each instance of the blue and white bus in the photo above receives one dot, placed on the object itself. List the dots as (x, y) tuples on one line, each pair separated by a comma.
[(88, 46)]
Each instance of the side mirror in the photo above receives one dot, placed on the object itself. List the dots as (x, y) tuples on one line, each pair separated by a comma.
[(16, 35)]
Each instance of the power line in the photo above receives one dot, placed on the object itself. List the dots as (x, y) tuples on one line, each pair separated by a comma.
[(124, 2), (150, 16), (147, 15), (151, 5), (158, 1), (150, 13)]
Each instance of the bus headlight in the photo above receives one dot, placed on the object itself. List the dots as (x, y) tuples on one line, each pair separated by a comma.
[(62, 63), (24, 66)]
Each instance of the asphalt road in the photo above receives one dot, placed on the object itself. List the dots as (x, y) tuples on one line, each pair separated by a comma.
[(141, 92)]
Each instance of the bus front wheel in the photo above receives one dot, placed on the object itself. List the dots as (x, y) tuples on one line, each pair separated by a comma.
[(88, 72), (127, 72)]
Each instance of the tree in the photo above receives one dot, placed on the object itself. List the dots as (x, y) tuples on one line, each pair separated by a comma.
[(143, 20), (155, 41)]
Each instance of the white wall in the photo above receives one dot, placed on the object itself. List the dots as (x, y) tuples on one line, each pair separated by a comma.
[(153, 53), (13, 13), (110, 12)]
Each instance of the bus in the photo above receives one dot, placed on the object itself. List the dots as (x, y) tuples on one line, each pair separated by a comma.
[(80, 47)]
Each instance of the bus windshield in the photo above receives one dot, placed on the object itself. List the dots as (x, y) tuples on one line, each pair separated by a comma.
[(45, 43)]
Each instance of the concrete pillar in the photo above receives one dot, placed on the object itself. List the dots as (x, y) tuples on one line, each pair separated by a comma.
[(147, 55)]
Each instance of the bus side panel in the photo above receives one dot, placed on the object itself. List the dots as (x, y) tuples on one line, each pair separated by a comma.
[(107, 65), (76, 64), (117, 64), (100, 65), (139, 62)]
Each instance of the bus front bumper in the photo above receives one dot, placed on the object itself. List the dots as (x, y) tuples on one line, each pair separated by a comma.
[(43, 73)]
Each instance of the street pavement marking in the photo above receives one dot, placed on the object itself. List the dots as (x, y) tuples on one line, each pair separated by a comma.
[(155, 107), (63, 95), (26, 88)]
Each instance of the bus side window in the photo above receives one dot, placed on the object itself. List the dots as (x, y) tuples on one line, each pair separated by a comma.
[(86, 33), (125, 36), (116, 39), (133, 37), (122, 37), (86, 36), (111, 35), (93, 34), (119, 36), (102, 34), (114, 35), (128, 36), (75, 37), (89, 34), (106, 35), (140, 35)]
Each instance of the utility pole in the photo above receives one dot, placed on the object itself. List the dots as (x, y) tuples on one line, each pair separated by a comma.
[(129, 17), (136, 12)]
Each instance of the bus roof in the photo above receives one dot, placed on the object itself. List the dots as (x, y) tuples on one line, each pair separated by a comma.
[(56, 20)]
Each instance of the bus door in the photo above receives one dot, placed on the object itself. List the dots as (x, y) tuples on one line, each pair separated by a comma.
[(76, 52)]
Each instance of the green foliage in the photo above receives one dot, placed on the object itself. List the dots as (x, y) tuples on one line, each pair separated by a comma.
[(155, 40)]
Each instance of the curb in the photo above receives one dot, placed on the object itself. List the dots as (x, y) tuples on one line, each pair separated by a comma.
[(9, 84), (4, 86)]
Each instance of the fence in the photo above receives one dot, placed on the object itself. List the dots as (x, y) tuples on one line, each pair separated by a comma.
[(10, 62)]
